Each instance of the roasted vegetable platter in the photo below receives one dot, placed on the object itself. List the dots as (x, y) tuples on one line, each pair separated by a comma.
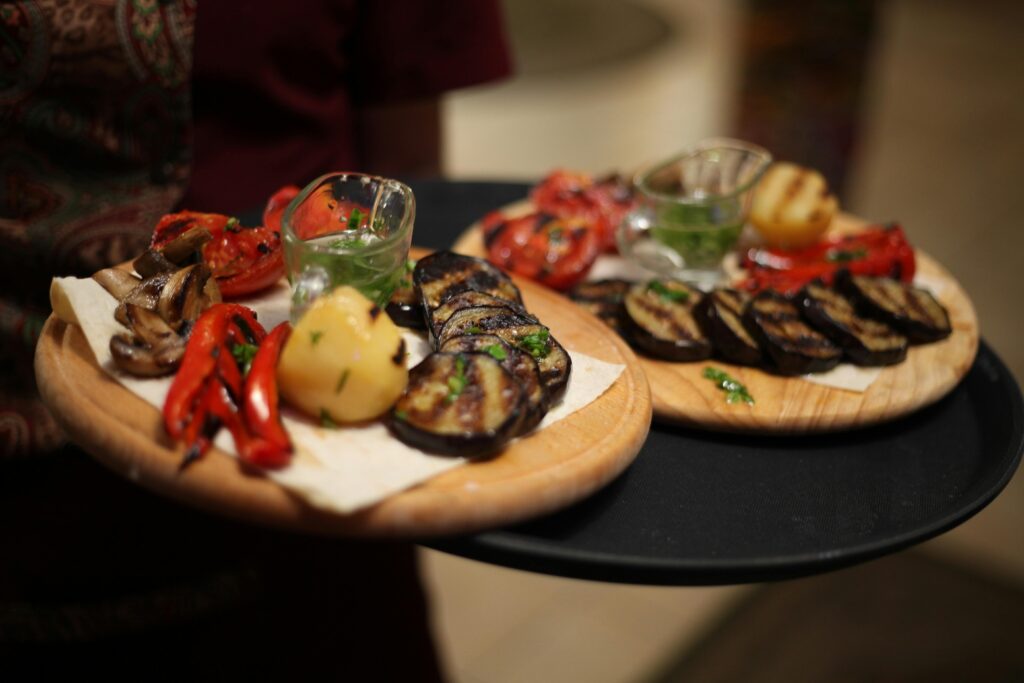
[(728, 388), (546, 468)]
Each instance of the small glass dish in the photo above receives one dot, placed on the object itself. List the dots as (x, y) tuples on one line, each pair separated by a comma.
[(347, 229), (691, 210)]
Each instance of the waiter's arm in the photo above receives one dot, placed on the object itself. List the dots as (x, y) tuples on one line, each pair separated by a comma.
[(402, 138)]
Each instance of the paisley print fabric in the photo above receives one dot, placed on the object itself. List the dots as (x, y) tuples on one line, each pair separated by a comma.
[(94, 147)]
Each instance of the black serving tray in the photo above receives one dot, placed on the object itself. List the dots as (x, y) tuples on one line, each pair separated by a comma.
[(703, 508)]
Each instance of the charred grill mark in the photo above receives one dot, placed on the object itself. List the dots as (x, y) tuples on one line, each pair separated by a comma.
[(469, 405), (399, 357), (520, 365), (444, 275), (662, 313), (774, 321), (493, 235), (795, 185), (481, 318), (866, 342), (177, 227), (720, 318), (479, 281), (659, 320), (912, 311), (469, 299), (476, 419), (541, 222)]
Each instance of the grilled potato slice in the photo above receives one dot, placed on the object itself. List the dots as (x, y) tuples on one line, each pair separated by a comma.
[(658, 320), (520, 364), (791, 346), (865, 342), (462, 404), (792, 206)]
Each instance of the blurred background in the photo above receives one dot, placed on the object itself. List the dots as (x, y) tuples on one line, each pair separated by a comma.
[(914, 110)]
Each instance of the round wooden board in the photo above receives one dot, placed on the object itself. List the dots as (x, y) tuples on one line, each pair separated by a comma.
[(541, 473), (791, 406)]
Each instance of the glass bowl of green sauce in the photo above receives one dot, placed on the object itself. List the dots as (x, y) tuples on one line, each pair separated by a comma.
[(347, 229), (691, 210)]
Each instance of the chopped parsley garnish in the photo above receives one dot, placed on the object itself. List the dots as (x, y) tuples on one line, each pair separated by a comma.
[(326, 421), (475, 330), (314, 337), (233, 225), (401, 415), (346, 243), (458, 381), (243, 354), (341, 381), (845, 255), (666, 293), (355, 218), (734, 391), (496, 351), (536, 343), (410, 265)]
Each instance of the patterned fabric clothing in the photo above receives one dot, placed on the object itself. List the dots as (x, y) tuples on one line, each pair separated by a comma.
[(94, 125), (107, 116)]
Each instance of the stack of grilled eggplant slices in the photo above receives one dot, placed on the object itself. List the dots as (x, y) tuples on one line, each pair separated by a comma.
[(868, 321), (495, 368)]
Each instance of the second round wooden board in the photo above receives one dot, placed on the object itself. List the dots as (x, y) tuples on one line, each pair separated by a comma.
[(543, 472), (785, 405)]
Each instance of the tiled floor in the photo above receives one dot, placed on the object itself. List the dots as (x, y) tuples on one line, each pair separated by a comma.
[(943, 153)]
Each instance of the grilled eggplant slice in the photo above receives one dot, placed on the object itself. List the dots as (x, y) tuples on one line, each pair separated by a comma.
[(658, 320), (720, 315), (469, 299), (865, 342), (444, 274), (791, 346), (405, 308), (462, 404), (907, 309), (603, 298), (481, 320), (521, 364), (552, 359)]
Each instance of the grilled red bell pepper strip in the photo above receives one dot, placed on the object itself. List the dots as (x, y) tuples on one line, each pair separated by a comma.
[(877, 251), (243, 328), (206, 344), (271, 447)]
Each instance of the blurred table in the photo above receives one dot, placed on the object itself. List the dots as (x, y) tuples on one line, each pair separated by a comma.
[(699, 508)]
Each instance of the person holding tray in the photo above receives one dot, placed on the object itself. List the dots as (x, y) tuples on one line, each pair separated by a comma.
[(111, 119)]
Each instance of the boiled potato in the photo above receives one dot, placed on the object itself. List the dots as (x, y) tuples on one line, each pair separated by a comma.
[(344, 361), (792, 206)]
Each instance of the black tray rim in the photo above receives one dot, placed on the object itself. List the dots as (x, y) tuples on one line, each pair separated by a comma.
[(500, 548)]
